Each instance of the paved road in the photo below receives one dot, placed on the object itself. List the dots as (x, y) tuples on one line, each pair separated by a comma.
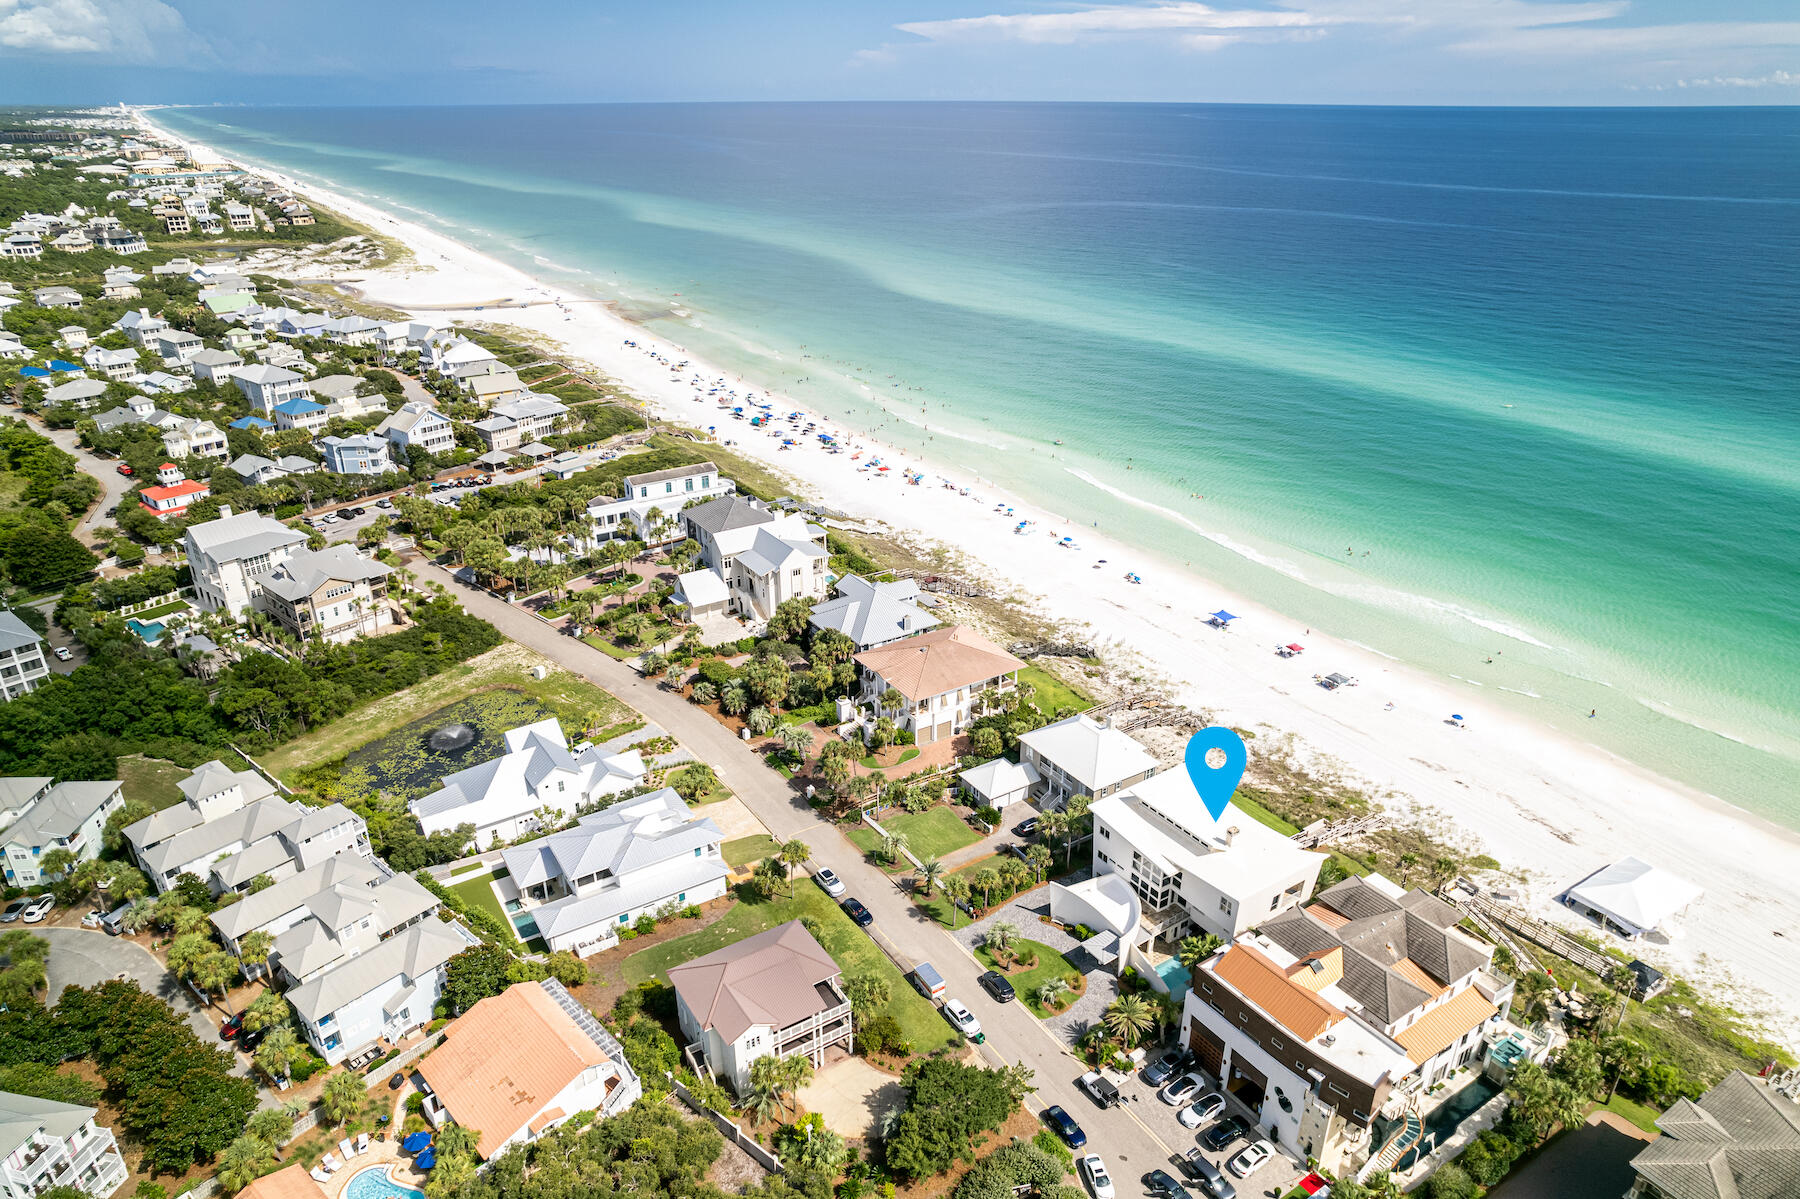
[(113, 484), (81, 957), (1132, 1145)]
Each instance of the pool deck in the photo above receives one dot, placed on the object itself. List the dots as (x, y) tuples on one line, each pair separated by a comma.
[(380, 1153)]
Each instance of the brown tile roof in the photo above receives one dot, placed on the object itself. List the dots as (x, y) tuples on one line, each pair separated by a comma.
[(1415, 974), (1263, 983), (939, 661), (771, 978), (1326, 916), (289, 1182), (1439, 1028), (1316, 971), (504, 1059)]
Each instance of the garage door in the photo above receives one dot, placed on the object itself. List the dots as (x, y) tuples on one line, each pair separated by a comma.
[(1208, 1048), (1248, 1081), (946, 729)]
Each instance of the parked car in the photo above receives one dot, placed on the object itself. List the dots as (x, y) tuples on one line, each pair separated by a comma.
[(1163, 1068), (384, 503), (1206, 1176), (1100, 1088), (1064, 1126), (854, 909), (1093, 1169), (93, 918), (959, 1015), (113, 923), (1162, 1184), (248, 1041), (827, 879), (998, 989), (1026, 828), (1182, 1090), (38, 908), (397, 1081), (123, 468), (1223, 1133), (63, 653), (1201, 1110), (229, 1030), (14, 910), (1249, 1158)]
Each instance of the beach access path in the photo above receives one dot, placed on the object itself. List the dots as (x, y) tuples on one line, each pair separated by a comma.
[(1128, 1143)]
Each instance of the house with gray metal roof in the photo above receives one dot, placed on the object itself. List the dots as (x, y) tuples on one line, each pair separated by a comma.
[(44, 1143), (381, 994), (22, 662), (873, 614), (228, 554), (69, 816), (1740, 1140)]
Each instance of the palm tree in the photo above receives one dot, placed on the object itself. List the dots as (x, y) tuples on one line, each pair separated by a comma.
[(1055, 827), (768, 1083), (1015, 874), (1049, 996), (703, 693), (956, 890), (931, 872), (1038, 857), (268, 1010), (244, 1161), (770, 874), (279, 1052), (1128, 1017), (343, 1096), (794, 854), (999, 940), (795, 741), (1194, 950), (986, 879), (893, 846), (254, 948), (1535, 988), (215, 971)]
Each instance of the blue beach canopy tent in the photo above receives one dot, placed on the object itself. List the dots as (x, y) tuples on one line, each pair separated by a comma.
[(414, 1142), (1221, 618)]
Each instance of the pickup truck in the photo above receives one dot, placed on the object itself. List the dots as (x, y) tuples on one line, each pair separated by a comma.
[(1100, 1089)]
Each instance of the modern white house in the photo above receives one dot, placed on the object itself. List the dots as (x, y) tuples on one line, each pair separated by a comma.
[(231, 828), (536, 782), (1329, 1015), (1193, 873), (110, 364), (663, 492), (763, 557), (68, 816), (943, 676), (522, 1062), (874, 614), (1083, 756), (226, 555), (267, 387), (999, 782), (382, 993), (325, 914), (513, 423), (22, 662), (581, 885), (418, 424), (49, 1144), (334, 594), (777, 992), (302, 413), (195, 439)]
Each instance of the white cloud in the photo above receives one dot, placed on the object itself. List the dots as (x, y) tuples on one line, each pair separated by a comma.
[(1635, 40), (115, 30), (1772, 79), (1181, 18)]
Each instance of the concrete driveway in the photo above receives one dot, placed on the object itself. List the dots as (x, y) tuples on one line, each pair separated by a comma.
[(81, 957), (1275, 1176), (854, 1098)]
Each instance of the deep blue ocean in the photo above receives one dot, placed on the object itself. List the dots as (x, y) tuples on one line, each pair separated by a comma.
[(1457, 384)]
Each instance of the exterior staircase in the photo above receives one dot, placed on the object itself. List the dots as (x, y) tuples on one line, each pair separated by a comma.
[(1411, 1129)]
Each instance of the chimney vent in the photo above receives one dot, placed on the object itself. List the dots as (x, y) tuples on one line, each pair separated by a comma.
[(1231, 835), (224, 511)]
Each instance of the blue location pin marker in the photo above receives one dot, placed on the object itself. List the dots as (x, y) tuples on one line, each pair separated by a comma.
[(1215, 783)]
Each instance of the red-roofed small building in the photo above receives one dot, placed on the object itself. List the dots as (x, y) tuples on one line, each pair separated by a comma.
[(173, 494)]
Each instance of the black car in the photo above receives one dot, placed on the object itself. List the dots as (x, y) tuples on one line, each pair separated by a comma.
[(1163, 1068), (997, 987), (1212, 1183), (396, 1082), (1163, 1184), (1026, 828), (854, 909), (1064, 1126), (249, 1039), (1224, 1133)]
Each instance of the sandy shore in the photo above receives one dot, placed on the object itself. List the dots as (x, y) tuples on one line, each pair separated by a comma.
[(1550, 807)]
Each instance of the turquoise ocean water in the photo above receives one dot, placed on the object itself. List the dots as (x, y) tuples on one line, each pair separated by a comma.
[(1454, 384)]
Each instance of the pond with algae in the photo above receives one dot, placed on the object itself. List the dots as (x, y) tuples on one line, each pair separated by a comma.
[(409, 761)]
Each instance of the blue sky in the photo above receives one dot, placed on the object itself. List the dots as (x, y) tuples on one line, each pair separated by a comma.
[(1267, 51)]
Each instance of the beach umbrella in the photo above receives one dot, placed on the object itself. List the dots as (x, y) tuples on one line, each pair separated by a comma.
[(426, 1160), (1222, 616), (1456, 716), (414, 1142), (1295, 648)]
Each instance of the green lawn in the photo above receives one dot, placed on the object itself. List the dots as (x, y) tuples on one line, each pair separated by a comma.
[(929, 834), (1026, 982), (1640, 1115), (1052, 693), (609, 649), (478, 894), (163, 609), (848, 945), (154, 781), (746, 850), (570, 697), (873, 763)]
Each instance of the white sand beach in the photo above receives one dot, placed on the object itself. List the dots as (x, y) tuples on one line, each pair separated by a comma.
[(1547, 805)]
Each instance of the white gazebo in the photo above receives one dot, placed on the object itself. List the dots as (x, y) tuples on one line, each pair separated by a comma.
[(1631, 897)]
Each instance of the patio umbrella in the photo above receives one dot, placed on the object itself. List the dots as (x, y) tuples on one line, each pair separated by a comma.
[(1222, 616), (413, 1142), (426, 1160)]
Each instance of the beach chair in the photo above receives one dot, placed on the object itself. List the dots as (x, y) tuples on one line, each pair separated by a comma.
[(332, 1165), (362, 1142), (346, 1148), (319, 1175)]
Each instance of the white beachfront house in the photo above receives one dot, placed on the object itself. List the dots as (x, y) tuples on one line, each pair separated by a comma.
[(23, 664), (776, 993), (583, 884), (50, 1144), (513, 423), (325, 914), (1195, 874), (943, 676), (227, 555), (764, 557), (382, 993), (1083, 756), (874, 614), (232, 828), (1330, 1015), (537, 782), (68, 816), (522, 1062), (267, 387), (649, 506)]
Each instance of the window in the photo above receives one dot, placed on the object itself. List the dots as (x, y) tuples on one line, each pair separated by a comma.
[(753, 1042), (331, 1042), (697, 851), (1274, 902), (624, 917), (1225, 906), (681, 898)]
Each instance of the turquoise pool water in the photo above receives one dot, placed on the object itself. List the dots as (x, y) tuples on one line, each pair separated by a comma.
[(526, 924), (375, 1183), (151, 631), (1175, 976)]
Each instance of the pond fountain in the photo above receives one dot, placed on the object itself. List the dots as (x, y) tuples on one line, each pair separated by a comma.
[(450, 738)]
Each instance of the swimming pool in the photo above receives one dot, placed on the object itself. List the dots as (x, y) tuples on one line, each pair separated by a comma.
[(150, 630), (1175, 976), (376, 1182)]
